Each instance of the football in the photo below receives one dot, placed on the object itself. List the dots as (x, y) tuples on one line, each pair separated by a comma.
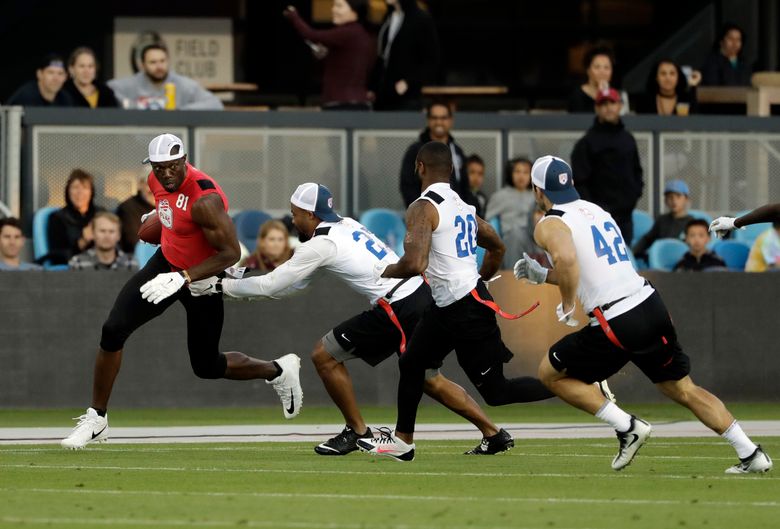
[(150, 230)]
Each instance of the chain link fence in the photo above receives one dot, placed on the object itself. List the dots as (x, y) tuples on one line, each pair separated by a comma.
[(726, 173), (260, 168)]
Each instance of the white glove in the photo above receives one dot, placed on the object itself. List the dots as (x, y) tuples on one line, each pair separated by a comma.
[(147, 215), (530, 269), (161, 287), (723, 225), (566, 317), (379, 269), (204, 287)]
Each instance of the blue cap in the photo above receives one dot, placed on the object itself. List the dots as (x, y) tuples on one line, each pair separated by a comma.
[(676, 186), (315, 198), (554, 177)]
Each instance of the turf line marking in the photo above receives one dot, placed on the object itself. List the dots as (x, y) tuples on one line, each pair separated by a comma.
[(374, 472), (239, 523), (401, 497)]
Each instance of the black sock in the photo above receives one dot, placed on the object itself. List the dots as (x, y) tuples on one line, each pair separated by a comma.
[(278, 370), (100, 412)]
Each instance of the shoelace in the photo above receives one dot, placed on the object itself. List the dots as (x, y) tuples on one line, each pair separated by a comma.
[(386, 435)]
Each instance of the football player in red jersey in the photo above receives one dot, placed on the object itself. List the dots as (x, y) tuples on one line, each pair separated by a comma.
[(198, 240)]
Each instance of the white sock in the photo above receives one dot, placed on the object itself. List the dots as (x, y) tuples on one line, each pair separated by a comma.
[(617, 418), (741, 442)]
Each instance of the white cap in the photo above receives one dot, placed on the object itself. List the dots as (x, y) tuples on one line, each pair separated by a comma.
[(315, 198), (163, 149)]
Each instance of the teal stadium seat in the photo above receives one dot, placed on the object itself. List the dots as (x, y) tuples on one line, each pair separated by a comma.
[(735, 253), (41, 237), (143, 252), (388, 225), (247, 224), (750, 233), (643, 221), (496, 223), (665, 253)]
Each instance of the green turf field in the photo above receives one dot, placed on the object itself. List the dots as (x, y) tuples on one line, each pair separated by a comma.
[(673, 483)]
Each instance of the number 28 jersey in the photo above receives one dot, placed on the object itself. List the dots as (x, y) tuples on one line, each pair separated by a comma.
[(606, 272), (452, 261)]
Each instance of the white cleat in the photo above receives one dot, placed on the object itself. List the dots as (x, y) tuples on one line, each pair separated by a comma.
[(91, 428), (630, 442), (288, 385), (387, 444), (756, 462)]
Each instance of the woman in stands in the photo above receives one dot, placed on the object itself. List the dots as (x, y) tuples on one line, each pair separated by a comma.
[(514, 205), (668, 92), (69, 230), (83, 86), (273, 247), (347, 53), (725, 65), (599, 66)]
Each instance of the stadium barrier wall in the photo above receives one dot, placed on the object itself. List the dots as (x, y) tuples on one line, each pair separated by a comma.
[(51, 324)]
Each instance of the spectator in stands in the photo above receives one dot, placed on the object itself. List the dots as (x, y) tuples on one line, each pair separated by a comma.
[(157, 87), (765, 254), (273, 247), (698, 257), (130, 211), (606, 163), (105, 254), (668, 92), (347, 52), (11, 244), (82, 86), (46, 90), (475, 170), (599, 65), (670, 225), (725, 65), (514, 205), (69, 230), (438, 129), (408, 48)]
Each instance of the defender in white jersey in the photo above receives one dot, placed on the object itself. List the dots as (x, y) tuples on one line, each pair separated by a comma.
[(346, 249), (629, 322), (442, 238)]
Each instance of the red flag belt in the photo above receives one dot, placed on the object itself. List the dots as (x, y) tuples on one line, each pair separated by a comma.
[(494, 306)]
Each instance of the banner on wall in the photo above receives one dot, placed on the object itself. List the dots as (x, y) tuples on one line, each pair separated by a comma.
[(200, 48)]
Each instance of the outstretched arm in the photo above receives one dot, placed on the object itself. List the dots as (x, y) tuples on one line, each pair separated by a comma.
[(421, 219), (488, 239), (768, 213)]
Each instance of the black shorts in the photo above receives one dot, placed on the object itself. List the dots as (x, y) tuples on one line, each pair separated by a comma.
[(466, 326), (650, 342), (371, 336)]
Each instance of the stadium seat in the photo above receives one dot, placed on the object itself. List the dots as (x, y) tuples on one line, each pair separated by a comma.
[(750, 233), (388, 225), (41, 237), (699, 214), (143, 252), (665, 253), (735, 253), (247, 224), (643, 221)]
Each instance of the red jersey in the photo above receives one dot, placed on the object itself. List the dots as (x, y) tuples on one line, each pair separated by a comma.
[(183, 243)]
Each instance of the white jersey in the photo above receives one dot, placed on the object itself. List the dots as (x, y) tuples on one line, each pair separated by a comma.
[(606, 272), (452, 261), (346, 249)]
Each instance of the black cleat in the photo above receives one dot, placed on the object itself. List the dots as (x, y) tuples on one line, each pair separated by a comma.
[(501, 442), (343, 443)]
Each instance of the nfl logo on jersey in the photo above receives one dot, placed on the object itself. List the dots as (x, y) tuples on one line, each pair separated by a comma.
[(165, 212)]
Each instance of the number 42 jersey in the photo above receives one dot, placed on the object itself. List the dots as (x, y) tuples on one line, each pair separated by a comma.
[(452, 261), (606, 272)]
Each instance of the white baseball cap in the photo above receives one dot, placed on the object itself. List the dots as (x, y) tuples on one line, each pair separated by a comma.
[(163, 148), (315, 198)]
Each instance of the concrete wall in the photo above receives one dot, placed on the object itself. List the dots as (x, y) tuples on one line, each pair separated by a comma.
[(50, 327)]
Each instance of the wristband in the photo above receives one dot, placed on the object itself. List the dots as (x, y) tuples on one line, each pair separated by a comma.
[(186, 276)]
